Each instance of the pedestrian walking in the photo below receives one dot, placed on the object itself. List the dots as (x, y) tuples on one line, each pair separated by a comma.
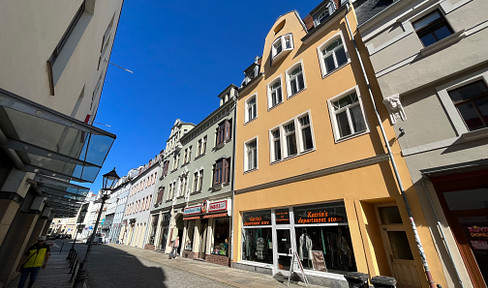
[(176, 244), (33, 260)]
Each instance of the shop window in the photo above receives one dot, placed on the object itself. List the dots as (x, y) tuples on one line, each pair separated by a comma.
[(257, 243), (221, 237), (323, 239), (189, 235)]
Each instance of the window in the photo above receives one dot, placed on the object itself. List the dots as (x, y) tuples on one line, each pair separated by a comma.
[(160, 195), (55, 68), (296, 81), (221, 171), (224, 132), (290, 139), (200, 181), (176, 161), (251, 158), (281, 45), (257, 241), (275, 145), (251, 108), (165, 168), (202, 146), (187, 155), (195, 181), (432, 28), (296, 136), (221, 237), (274, 93), (306, 139), (471, 101), (333, 55), (347, 116)]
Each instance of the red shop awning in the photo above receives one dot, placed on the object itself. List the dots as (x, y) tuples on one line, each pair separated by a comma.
[(192, 218), (216, 215)]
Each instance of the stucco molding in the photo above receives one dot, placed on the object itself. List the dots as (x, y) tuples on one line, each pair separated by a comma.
[(318, 173), (395, 108)]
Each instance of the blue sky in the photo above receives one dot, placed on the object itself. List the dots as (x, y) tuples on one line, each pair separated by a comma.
[(183, 54)]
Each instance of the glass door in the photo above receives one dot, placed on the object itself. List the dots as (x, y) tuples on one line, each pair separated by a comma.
[(284, 249)]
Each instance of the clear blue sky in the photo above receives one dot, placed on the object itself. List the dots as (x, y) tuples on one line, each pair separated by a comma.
[(183, 54)]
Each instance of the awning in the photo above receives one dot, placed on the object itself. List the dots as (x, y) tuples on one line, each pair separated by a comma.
[(216, 215), (51, 144), (192, 218)]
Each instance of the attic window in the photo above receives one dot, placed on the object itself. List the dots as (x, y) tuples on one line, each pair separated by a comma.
[(281, 45), (279, 27), (324, 13)]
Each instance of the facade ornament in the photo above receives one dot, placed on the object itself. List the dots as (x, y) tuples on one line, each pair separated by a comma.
[(395, 108)]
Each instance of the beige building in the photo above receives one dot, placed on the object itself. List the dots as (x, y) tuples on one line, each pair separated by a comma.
[(431, 62), (54, 57)]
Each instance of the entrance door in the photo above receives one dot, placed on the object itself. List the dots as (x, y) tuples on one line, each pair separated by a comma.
[(284, 249), (397, 247), (203, 238)]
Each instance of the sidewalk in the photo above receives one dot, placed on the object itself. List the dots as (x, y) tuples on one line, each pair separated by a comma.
[(233, 277), (56, 274)]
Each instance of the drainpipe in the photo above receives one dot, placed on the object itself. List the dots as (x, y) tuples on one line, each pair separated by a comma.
[(392, 159), (231, 246)]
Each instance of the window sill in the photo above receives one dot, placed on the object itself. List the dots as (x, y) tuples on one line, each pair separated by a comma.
[(293, 156), (250, 170), (337, 69), (273, 107), (293, 95), (247, 122), (475, 134), (439, 45), (351, 136)]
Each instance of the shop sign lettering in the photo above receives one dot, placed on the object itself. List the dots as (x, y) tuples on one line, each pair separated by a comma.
[(319, 217), (255, 221), (282, 217), (192, 210), (217, 206), (477, 231)]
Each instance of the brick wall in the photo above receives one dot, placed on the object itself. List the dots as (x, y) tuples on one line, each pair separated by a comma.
[(218, 259)]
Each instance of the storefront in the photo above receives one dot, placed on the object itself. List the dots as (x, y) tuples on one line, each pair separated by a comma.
[(464, 200), (207, 231), (316, 235), (163, 241)]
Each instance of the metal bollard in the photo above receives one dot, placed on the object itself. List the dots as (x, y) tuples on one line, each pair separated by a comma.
[(73, 272)]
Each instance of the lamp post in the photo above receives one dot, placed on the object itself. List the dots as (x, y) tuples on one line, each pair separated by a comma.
[(79, 229), (109, 181)]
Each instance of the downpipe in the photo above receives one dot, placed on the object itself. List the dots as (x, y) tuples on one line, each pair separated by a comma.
[(392, 159)]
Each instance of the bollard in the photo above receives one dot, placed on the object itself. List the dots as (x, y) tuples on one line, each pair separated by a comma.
[(73, 273), (383, 282), (357, 279)]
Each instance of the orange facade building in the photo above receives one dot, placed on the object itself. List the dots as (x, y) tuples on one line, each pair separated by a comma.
[(313, 180)]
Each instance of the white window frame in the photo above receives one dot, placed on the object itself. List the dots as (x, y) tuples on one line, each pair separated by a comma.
[(299, 140), (247, 112), (289, 79), (451, 110), (333, 119), (321, 56), (270, 84), (281, 40), (247, 156)]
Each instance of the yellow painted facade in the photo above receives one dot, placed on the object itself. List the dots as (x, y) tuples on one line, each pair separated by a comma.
[(355, 171)]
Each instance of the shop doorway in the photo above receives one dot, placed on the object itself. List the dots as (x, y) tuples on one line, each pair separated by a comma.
[(203, 230), (464, 200), (397, 248), (284, 249)]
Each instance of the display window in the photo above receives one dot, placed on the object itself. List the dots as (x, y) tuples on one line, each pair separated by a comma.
[(322, 237), (257, 237), (221, 237), (189, 235)]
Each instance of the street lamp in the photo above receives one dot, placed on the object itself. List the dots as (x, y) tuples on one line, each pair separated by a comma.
[(108, 184)]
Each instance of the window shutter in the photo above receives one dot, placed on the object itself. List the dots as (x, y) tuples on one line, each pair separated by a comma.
[(225, 170), (227, 130)]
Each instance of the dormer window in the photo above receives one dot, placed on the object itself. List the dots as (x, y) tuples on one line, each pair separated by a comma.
[(281, 45), (324, 13)]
